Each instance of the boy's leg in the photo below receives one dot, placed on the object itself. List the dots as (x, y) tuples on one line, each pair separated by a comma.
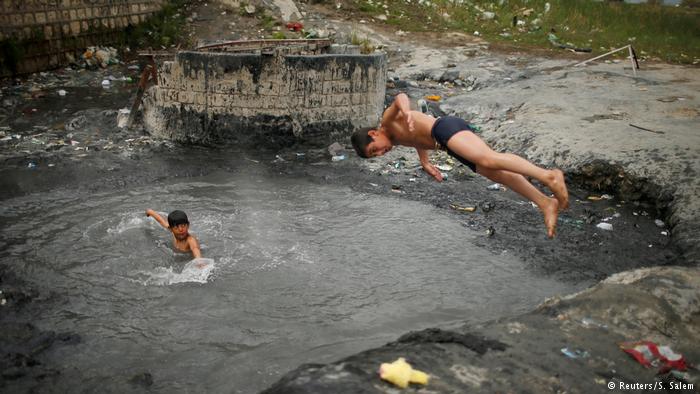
[(471, 147), (518, 183)]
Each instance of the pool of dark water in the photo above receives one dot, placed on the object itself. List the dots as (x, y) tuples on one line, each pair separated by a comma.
[(298, 272)]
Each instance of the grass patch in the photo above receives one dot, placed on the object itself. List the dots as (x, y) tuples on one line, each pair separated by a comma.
[(364, 43), (668, 33), (166, 28)]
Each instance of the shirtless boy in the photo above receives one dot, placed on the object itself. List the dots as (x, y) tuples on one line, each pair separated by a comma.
[(179, 225), (401, 126)]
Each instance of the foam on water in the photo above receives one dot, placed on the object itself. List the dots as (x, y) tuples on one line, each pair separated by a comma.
[(128, 222), (197, 271)]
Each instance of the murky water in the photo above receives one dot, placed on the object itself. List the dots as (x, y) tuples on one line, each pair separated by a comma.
[(298, 273)]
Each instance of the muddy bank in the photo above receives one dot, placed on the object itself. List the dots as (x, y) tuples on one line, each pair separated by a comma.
[(525, 354)]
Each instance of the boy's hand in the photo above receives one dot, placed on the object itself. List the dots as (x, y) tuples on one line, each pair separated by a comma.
[(434, 172), (148, 212)]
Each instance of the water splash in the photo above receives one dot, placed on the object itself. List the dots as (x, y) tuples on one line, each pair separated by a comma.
[(128, 222), (196, 271)]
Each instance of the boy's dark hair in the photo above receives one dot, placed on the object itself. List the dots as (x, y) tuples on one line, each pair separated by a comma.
[(176, 218), (360, 139)]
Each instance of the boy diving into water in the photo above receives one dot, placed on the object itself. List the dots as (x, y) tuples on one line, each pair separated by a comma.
[(179, 225), (401, 126)]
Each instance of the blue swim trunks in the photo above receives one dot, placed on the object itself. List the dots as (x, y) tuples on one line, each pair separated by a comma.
[(443, 129)]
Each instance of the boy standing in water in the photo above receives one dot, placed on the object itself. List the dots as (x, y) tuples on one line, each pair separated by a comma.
[(179, 225), (401, 126)]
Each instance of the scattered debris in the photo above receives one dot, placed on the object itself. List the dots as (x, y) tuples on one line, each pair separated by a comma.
[(645, 129), (123, 117), (650, 354), (659, 223), (433, 98), (490, 232), (423, 105), (494, 187), (400, 373), (588, 322), (605, 226), (62, 92), (338, 157), (76, 123), (487, 206), (574, 353), (554, 40), (460, 208), (294, 26), (598, 198)]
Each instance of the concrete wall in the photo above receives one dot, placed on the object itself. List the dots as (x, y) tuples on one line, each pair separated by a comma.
[(45, 30), (273, 100)]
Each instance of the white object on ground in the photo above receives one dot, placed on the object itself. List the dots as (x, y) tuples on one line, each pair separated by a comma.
[(605, 226)]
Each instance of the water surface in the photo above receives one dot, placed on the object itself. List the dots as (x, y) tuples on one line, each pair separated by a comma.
[(299, 272)]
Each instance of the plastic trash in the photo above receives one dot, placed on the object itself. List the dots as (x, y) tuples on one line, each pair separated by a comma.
[(574, 353), (31, 165), (650, 354), (123, 117), (588, 322), (106, 83), (444, 167), (293, 26), (423, 105), (400, 373), (62, 92), (495, 186), (659, 223), (433, 98), (605, 226), (462, 209), (490, 232), (338, 158)]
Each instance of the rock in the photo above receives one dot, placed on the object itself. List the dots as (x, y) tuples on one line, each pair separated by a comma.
[(449, 76), (250, 9), (488, 15)]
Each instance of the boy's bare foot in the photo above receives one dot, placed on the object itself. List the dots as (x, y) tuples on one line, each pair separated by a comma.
[(551, 213), (558, 186)]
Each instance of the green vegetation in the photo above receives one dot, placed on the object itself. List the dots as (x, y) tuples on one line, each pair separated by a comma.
[(668, 33), (364, 43), (164, 29), (278, 35)]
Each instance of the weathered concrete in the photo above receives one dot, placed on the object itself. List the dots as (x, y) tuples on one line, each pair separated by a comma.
[(259, 99), (524, 354)]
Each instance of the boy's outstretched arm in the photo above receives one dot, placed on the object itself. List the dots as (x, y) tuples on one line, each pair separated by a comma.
[(400, 108), (158, 218), (427, 166), (194, 247)]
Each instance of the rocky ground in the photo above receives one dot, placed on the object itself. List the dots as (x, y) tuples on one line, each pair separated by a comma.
[(640, 179)]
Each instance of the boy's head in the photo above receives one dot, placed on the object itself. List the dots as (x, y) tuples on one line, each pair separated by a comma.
[(179, 225), (370, 142)]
